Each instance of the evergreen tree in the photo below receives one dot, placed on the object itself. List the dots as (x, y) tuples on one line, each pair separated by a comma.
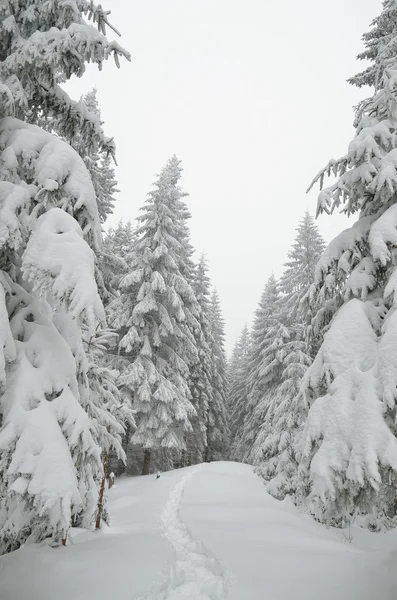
[(238, 389), (109, 411), (98, 164), (380, 48), (50, 460), (97, 158), (201, 372), (298, 277), (217, 426), (117, 247), (153, 314), (274, 451), (350, 448), (119, 241), (271, 369), (278, 438), (259, 376)]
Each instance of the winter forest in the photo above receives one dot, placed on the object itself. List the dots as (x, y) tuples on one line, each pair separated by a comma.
[(115, 370)]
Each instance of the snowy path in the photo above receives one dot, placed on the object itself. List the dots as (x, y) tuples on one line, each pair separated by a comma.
[(207, 533), (195, 574)]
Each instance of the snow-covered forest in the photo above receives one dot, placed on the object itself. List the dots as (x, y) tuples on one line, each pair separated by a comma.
[(114, 361)]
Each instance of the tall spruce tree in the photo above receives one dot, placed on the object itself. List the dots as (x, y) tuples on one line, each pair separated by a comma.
[(153, 314), (276, 444), (350, 449), (99, 164), (270, 370), (49, 219), (298, 276), (96, 157), (237, 402), (263, 329), (120, 240), (118, 245), (217, 424), (201, 372)]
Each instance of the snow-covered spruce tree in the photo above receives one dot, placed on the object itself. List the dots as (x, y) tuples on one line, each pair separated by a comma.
[(380, 48), (50, 464), (120, 241), (152, 315), (350, 449), (97, 158), (98, 164), (277, 336), (276, 455), (198, 326), (50, 458), (117, 246), (265, 321), (237, 401), (116, 263), (109, 410), (274, 451), (217, 426), (201, 372), (298, 277)]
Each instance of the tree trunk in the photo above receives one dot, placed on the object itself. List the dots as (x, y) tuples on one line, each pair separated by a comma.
[(207, 432), (146, 462), (183, 458), (102, 492)]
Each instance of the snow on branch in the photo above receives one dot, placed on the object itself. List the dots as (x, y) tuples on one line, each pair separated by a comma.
[(39, 58), (58, 260), (49, 171)]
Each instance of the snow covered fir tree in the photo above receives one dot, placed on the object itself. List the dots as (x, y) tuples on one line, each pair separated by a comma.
[(350, 449), (155, 312), (53, 426)]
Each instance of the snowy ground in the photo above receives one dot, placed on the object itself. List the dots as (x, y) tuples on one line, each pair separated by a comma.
[(205, 533)]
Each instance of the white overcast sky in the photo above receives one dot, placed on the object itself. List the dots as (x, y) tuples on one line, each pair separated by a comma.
[(252, 96)]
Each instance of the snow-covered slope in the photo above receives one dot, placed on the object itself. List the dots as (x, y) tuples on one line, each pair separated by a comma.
[(205, 533)]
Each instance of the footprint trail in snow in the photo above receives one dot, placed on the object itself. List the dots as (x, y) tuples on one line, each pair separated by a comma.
[(195, 574)]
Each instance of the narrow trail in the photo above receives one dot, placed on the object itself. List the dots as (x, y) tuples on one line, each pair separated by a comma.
[(195, 574)]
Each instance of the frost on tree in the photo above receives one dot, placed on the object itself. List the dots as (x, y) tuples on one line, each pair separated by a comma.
[(350, 449), (238, 390), (152, 314), (43, 44), (108, 408), (271, 366), (99, 166), (49, 455), (97, 158), (275, 449), (217, 423), (201, 371), (265, 321), (117, 247)]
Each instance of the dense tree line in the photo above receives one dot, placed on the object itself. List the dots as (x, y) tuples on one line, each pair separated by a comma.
[(106, 343), (113, 342), (318, 411)]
